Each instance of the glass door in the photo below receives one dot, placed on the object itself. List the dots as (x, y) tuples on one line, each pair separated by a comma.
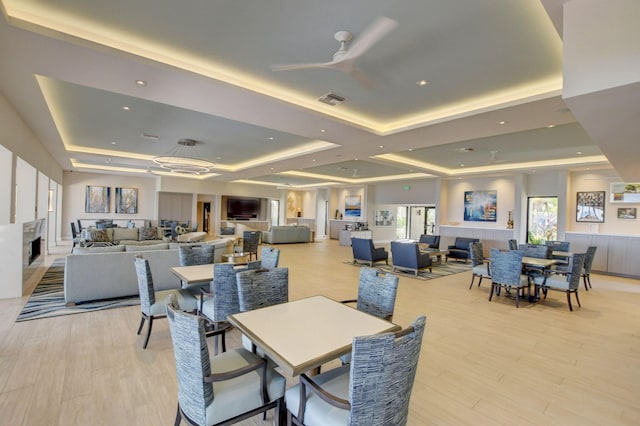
[(417, 221), (542, 219)]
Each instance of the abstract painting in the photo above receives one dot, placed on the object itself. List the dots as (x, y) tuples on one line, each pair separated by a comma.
[(97, 199), (352, 206), (625, 192), (127, 200), (590, 206), (480, 206)]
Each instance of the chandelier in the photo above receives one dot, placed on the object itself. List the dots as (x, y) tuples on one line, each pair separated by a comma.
[(184, 158)]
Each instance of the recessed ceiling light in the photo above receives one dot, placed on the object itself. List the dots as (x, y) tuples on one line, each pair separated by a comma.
[(314, 160), (322, 130), (271, 138), (126, 108), (141, 82), (355, 159), (461, 164), (550, 126), (502, 122), (579, 152), (271, 168), (422, 82), (465, 149), (410, 149), (113, 142)]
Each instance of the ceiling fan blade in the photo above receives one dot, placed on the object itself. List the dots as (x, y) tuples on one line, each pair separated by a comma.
[(286, 67), (377, 30)]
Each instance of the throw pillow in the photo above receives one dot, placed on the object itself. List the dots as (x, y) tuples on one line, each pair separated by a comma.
[(147, 234), (98, 236)]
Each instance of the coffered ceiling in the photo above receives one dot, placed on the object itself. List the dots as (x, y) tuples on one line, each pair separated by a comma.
[(106, 86)]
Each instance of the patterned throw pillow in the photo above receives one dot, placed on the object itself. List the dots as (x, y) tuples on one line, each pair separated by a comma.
[(98, 236), (147, 234)]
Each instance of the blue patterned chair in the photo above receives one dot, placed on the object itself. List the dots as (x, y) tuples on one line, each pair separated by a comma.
[(269, 257), (376, 296), (364, 251), (567, 281), (407, 255), (190, 255), (373, 390), (222, 389), (250, 242), (559, 246), (506, 271), (513, 244), (586, 269), (432, 240), (480, 268), (460, 248), (152, 303)]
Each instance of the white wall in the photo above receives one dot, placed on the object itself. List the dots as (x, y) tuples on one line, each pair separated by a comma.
[(6, 175), (26, 178), (505, 202)]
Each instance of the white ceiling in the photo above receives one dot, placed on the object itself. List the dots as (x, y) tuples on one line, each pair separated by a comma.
[(70, 66)]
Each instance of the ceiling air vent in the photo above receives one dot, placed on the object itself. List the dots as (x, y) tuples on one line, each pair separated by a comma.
[(332, 99)]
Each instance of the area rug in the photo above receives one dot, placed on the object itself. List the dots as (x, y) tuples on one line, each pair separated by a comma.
[(437, 271), (47, 299)]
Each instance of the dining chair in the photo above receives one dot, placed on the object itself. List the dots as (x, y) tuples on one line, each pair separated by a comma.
[(222, 389), (567, 281), (513, 244), (539, 251), (559, 246), (479, 268), (75, 236), (586, 269), (376, 296), (506, 271), (259, 288), (153, 303), (269, 257), (191, 256), (373, 390), (250, 242)]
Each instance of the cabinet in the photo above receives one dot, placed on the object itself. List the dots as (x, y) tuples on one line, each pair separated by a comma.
[(345, 236), (616, 254)]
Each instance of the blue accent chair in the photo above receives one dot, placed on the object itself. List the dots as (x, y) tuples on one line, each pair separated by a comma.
[(364, 251), (408, 256)]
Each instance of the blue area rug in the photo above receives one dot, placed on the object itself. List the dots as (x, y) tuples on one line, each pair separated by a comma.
[(47, 299), (437, 271)]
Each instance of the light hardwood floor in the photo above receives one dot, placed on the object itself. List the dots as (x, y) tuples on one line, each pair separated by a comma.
[(482, 363)]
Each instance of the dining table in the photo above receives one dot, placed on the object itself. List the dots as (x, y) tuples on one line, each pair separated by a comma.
[(304, 334), (195, 274)]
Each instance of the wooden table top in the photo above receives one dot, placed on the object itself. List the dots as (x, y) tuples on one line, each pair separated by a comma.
[(306, 333), (194, 274)]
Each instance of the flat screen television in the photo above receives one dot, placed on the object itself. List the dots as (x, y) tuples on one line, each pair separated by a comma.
[(243, 208)]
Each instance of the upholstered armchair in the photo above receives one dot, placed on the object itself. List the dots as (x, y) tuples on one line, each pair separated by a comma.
[(374, 389), (364, 251), (460, 248), (408, 256), (222, 389), (506, 271), (432, 240), (567, 281)]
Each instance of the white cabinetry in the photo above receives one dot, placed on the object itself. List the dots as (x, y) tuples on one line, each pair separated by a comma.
[(616, 254)]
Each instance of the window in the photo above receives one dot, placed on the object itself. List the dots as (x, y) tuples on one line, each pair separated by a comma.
[(542, 219)]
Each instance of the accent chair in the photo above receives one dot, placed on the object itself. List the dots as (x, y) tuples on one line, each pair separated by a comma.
[(480, 268), (567, 281), (506, 271), (432, 240), (407, 256), (365, 251)]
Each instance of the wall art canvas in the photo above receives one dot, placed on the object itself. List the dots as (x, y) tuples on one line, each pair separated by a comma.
[(97, 199), (384, 218), (480, 206), (590, 206), (625, 192), (352, 206), (627, 213), (127, 200)]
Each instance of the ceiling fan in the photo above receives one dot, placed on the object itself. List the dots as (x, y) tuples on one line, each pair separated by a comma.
[(343, 59)]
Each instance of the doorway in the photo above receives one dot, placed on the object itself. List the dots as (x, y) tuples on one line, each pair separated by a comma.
[(413, 221), (206, 214)]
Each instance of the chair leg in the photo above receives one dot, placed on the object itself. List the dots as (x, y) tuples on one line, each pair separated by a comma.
[(493, 286), (584, 279), (141, 324), (578, 299), (569, 300), (517, 297), (146, 338), (178, 417)]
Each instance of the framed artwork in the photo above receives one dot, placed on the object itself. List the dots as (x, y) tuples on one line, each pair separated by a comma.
[(352, 206), (97, 199), (627, 213), (590, 206), (480, 206), (127, 200), (383, 218), (625, 192)]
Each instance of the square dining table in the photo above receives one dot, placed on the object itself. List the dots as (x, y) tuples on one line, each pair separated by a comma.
[(195, 274), (304, 334)]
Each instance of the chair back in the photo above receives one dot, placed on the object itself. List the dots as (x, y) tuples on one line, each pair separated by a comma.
[(145, 285), (270, 257), (536, 250), (377, 293), (432, 240), (250, 240), (513, 244), (574, 270), (79, 225), (362, 248), (190, 256), (588, 259), (383, 370), (476, 253), (191, 355), (259, 288), (74, 232), (405, 254), (506, 266), (225, 291), (558, 245)]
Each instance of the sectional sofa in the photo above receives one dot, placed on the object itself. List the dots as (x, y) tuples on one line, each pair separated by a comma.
[(128, 236), (107, 272)]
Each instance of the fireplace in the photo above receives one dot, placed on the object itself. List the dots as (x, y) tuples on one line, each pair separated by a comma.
[(35, 249)]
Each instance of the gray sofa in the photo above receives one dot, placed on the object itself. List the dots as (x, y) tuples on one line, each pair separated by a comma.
[(287, 234), (108, 272)]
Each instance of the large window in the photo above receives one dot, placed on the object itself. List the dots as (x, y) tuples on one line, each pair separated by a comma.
[(542, 219)]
